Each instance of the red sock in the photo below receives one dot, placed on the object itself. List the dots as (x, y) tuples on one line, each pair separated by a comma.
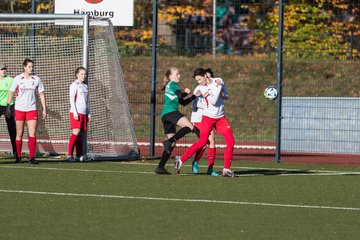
[(211, 157), (32, 146), (18, 147), (72, 142), (79, 146)]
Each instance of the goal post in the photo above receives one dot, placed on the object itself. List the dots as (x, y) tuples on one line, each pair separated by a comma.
[(58, 44)]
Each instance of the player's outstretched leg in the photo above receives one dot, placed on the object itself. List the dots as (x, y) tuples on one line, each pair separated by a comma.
[(179, 134)]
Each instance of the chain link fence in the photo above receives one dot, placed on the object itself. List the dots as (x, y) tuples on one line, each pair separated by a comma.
[(321, 61)]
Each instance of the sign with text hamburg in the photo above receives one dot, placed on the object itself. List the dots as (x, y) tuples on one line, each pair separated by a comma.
[(120, 12)]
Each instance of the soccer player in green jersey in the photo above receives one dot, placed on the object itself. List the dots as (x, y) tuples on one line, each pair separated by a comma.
[(5, 84), (171, 116)]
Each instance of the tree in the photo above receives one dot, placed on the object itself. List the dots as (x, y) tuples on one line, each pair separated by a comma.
[(321, 29)]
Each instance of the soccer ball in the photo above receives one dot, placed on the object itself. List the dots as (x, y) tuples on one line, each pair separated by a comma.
[(271, 93)]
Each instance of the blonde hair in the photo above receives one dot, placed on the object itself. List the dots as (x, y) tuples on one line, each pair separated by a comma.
[(167, 77)]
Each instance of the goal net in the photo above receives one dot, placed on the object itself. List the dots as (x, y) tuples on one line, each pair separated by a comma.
[(58, 45)]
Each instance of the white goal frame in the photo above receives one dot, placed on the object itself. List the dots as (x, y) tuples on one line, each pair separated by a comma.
[(128, 147)]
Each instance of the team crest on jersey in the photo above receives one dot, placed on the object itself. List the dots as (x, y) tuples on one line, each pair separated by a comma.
[(94, 1)]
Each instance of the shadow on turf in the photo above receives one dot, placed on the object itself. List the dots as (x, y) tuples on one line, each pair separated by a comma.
[(266, 172), (271, 172)]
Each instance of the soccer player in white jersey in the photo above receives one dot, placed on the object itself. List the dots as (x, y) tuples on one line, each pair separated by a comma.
[(213, 116), (196, 116), (79, 114), (25, 85)]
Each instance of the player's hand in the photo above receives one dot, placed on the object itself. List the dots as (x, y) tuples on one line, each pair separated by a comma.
[(7, 112), (218, 81), (187, 90), (44, 115), (198, 93), (76, 117)]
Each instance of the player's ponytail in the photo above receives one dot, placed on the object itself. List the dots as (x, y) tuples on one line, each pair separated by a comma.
[(210, 71), (167, 77)]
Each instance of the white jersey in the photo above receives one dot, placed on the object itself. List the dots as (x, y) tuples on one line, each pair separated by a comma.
[(214, 102), (25, 92), (79, 98), (198, 107)]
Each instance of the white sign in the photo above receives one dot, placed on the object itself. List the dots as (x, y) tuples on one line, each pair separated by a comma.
[(120, 12)]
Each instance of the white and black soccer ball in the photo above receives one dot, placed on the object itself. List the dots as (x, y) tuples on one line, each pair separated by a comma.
[(271, 93)]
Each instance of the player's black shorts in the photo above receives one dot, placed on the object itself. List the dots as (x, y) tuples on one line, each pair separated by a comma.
[(170, 120)]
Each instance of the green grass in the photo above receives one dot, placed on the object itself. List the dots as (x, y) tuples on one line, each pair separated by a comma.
[(120, 200)]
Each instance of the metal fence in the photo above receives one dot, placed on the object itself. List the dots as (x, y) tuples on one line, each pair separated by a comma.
[(320, 61)]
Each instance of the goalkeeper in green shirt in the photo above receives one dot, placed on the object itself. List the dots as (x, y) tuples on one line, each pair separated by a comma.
[(5, 84)]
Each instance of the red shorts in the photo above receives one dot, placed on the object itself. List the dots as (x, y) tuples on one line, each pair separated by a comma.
[(26, 116), (81, 123)]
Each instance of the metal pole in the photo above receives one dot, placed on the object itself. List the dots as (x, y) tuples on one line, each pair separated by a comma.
[(33, 6), (214, 30), (85, 41), (32, 34), (279, 81), (153, 79), (85, 63)]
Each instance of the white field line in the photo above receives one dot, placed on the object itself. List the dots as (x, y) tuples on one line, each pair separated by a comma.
[(75, 170), (309, 173), (181, 200)]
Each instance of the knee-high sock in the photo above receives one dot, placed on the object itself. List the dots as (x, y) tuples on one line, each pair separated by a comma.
[(199, 153), (211, 157), (79, 146), (179, 134), (72, 143), (11, 126), (164, 158), (18, 147), (32, 146), (230, 142)]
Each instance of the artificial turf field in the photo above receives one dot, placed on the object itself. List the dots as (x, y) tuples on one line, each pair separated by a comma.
[(127, 200)]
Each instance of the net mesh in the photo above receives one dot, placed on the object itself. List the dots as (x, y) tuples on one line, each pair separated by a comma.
[(56, 46)]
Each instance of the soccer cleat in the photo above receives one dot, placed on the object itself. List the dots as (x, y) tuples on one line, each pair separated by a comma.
[(167, 146), (161, 170), (71, 159), (33, 161), (18, 160), (178, 164), (81, 159), (211, 172), (195, 167), (227, 173)]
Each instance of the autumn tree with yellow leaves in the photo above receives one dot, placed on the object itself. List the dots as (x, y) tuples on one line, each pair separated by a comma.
[(312, 29)]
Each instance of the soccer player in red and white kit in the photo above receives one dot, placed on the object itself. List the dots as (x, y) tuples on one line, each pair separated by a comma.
[(79, 114), (213, 116), (25, 86), (198, 108)]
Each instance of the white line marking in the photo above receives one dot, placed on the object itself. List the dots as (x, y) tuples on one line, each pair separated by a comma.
[(182, 200), (293, 172), (75, 169)]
